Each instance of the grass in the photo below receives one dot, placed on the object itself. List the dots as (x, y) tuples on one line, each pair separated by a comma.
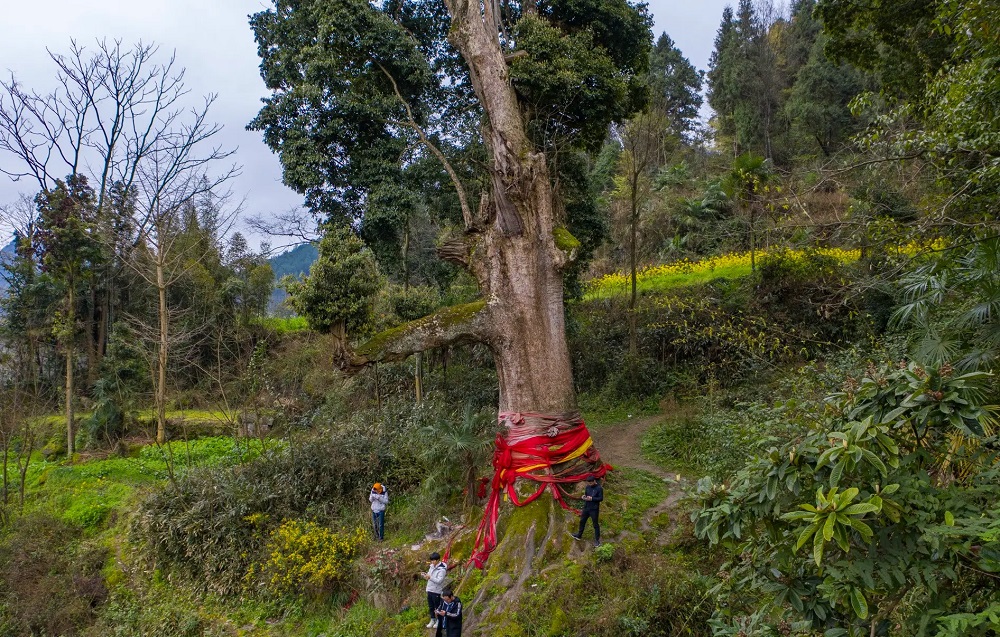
[(213, 416), (631, 493), (685, 273), (86, 494), (598, 413), (284, 324)]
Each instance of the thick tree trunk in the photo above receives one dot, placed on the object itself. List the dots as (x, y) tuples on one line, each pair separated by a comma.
[(528, 337), (520, 269)]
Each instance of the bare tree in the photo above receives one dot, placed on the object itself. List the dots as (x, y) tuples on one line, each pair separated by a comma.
[(645, 142), (295, 227), (19, 405), (118, 117), (164, 257)]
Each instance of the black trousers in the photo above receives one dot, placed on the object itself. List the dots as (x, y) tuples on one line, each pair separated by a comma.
[(433, 601), (593, 515), (453, 630)]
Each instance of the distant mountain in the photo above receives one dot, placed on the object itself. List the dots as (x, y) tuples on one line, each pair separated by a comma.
[(6, 254), (295, 262)]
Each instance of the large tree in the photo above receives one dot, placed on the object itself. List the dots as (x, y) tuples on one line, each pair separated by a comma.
[(675, 87), (69, 253), (360, 90)]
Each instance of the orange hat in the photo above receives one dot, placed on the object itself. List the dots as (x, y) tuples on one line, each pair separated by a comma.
[(378, 487)]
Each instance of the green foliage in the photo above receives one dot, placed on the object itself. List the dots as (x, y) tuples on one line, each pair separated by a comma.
[(106, 423), (317, 58), (744, 80), (818, 105), (675, 87), (714, 441), (580, 73), (896, 40), (340, 285), (461, 446), (284, 325), (413, 303), (889, 491), (953, 301), (66, 240), (605, 552), (213, 525), (727, 331)]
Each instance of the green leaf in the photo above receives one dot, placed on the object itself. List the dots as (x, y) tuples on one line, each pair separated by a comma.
[(831, 522), (838, 471), (818, 549), (876, 502), (858, 603), (860, 509), (845, 498), (875, 461), (805, 535), (798, 515), (949, 518), (862, 528), (842, 540), (893, 415)]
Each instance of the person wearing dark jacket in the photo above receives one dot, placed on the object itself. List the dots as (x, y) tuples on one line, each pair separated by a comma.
[(593, 495), (449, 614)]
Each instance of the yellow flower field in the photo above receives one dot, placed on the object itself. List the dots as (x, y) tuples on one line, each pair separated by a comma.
[(726, 266)]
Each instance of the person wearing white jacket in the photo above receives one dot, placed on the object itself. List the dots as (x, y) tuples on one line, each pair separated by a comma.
[(379, 497), (436, 573)]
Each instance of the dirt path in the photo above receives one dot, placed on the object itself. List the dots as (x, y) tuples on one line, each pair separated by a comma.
[(620, 444)]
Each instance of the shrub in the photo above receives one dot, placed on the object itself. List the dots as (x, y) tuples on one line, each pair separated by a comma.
[(883, 513), (306, 559), (49, 583), (604, 552), (214, 524)]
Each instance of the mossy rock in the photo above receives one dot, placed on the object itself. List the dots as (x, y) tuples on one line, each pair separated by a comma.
[(560, 623), (565, 240)]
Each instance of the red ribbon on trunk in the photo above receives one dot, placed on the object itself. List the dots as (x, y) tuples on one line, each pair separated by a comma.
[(552, 450)]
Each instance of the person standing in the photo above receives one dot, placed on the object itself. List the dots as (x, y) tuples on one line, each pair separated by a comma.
[(379, 498), (593, 495), (436, 573), (449, 614)]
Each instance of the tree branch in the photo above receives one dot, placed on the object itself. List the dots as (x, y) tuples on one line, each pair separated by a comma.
[(466, 323), (412, 123)]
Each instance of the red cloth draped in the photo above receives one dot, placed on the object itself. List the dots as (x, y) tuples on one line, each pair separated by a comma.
[(551, 450)]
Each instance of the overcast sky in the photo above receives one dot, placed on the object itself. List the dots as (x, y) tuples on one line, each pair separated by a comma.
[(214, 42)]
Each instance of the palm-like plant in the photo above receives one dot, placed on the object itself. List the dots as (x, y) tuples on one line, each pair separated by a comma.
[(745, 184), (460, 447), (955, 306)]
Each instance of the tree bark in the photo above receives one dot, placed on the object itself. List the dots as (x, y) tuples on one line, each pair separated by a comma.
[(633, 337), (70, 362), (516, 261), (161, 382)]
